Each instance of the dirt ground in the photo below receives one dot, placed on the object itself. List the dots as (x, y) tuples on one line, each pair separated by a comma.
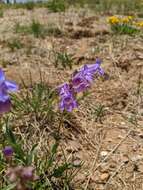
[(110, 146)]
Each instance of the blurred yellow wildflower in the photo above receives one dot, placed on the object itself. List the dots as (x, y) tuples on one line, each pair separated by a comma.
[(130, 18), (127, 19), (113, 20), (140, 24)]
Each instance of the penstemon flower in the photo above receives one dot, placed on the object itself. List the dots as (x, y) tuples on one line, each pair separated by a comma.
[(6, 87), (80, 82), (84, 78), (8, 151), (68, 103), (64, 89)]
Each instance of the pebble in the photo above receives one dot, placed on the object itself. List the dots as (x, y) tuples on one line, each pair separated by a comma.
[(104, 176), (103, 154)]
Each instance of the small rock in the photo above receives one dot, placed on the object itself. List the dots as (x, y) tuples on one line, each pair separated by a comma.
[(103, 154), (123, 123), (135, 147), (77, 162), (104, 176)]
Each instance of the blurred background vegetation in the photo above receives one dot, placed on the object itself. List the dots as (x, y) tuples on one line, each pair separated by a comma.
[(101, 6)]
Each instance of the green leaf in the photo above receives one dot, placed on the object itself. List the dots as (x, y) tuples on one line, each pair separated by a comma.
[(61, 169), (12, 141), (53, 152), (30, 155), (19, 152), (9, 187)]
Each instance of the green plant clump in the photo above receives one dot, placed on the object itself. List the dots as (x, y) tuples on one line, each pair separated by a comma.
[(57, 5)]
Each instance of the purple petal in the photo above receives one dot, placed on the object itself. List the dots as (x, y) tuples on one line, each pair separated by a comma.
[(3, 97), (2, 76), (64, 89), (98, 61), (11, 86), (3, 93), (93, 68), (8, 151), (68, 103), (69, 108), (5, 106), (81, 81)]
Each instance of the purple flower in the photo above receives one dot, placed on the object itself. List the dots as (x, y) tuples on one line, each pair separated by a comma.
[(83, 79), (27, 173), (95, 68), (5, 106), (68, 103), (64, 89), (6, 87), (8, 151), (80, 81)]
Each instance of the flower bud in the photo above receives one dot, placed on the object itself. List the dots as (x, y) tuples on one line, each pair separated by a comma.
[(8, 151)]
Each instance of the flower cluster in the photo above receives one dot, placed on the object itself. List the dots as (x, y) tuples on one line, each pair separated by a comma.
[(139, 24), (80, 82), (21, 176), (114, 20), (120, 20), (6, 87), (128, 20)]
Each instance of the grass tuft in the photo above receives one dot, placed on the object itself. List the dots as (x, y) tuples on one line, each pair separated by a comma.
[(63, 60), (56, 5), (37, 100), (38, 30), (15, 44)]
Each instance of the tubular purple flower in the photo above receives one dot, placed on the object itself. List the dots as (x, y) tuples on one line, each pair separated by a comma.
[(64, 89), (80, 81), (94, 68), (8, 151), (68, 103), (83, 79), (6, 87)]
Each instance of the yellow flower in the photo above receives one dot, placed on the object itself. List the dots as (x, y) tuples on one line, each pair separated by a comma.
[(113, 20), (125, 20), (140, 24), (130, 18)]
